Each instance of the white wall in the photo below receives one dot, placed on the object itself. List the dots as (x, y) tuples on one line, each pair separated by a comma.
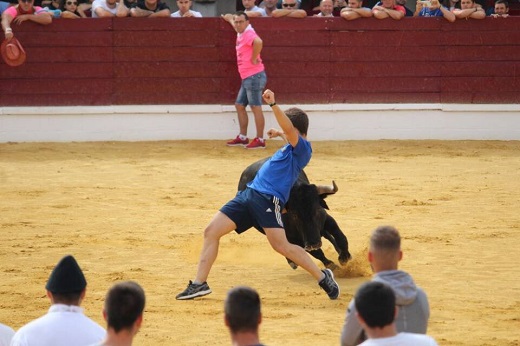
[(327, 122)]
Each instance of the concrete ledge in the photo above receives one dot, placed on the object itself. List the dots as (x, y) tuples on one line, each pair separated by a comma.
[(327, 122)]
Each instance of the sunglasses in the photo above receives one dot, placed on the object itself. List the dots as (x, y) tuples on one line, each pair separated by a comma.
[(289, 5), (27, 1), (72, 3)]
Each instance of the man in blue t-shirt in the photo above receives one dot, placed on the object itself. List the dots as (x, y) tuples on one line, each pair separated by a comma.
[(435, 9), (262, 202)]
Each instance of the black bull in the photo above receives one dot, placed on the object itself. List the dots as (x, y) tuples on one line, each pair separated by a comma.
[(306, 219)]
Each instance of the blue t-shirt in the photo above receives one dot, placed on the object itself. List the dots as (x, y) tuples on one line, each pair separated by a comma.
[(425, 12), (278, 174)]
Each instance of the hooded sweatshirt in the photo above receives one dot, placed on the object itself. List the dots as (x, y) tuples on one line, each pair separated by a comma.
[(414, 310)]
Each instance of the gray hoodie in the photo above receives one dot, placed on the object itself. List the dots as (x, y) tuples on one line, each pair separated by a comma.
[(414, 310)]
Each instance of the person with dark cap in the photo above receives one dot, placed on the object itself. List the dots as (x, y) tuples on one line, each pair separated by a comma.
[(123, 311), (65, 324)]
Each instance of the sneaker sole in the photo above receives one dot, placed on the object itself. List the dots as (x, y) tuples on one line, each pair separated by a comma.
[(236, 145), (254, 148), (339, 290), (195, 295)]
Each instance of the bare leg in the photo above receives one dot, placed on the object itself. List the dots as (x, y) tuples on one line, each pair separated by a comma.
[(219, 226), (259, 120), (243, 120), (280, 244)]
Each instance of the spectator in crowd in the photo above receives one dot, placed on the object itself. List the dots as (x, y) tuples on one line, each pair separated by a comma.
[(242, 316), (355, 10), (451, 4), (469, 9), (52, 4), (123, 312), (290, 8), (501, 9), (22, 12), (185, 10), (6, 334), (388, 9), (435, 10), (252, 10), (409, 13), (376, 311), (70, 10), (326, 8), (150, 8), (339, 5), (270, 5), (384, 255), (64, 324), (252, 72), (108, 8)]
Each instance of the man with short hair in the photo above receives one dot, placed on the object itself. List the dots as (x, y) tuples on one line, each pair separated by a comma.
[(185, 10), (384, 255), (501, 9), (290, 8), (326, 7), (355, 10), (435, 10), (376, 312), (65, 323), (469, 9), (150, 8), (108, 8), (252, 72), (242, 315), (269, 6), (123, 312)]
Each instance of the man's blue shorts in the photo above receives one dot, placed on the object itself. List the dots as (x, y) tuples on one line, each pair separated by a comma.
[(251, 90), (251, 208)]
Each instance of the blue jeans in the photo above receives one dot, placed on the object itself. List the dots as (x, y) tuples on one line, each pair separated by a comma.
[(251, 90)]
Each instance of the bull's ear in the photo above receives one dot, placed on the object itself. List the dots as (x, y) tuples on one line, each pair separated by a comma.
[(323, 204)]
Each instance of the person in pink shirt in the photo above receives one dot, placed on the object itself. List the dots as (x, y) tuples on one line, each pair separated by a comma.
[(252, 72), (22, 12)]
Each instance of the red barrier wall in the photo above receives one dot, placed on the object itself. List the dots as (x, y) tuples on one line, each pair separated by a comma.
[(313, 60)]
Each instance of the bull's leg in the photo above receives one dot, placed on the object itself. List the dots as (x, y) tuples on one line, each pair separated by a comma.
[(318, 254), (341, 243)]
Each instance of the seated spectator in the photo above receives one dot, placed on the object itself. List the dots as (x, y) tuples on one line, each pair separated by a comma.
[(185, 10), (123, 312), (150, 8), (290, 8), (388, 9), (469, 10), (22, 12), (6, 334), (242, 315), (252, 10), (326, 8), (108, 8), (435, 10), (270, 5), (376, 312), (501, 9), (355, 10), (70, 10), (65, 323), (409, 13)]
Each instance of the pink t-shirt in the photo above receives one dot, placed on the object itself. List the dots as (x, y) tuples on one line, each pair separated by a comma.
[(13, 12), (244, 53)]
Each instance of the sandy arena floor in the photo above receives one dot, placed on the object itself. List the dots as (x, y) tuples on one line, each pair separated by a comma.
[(136, 211)]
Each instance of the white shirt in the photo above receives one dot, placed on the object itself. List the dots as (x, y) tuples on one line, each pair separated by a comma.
[(103, 5), (402, 339), (178, 14), (6, 334), (63, 325)]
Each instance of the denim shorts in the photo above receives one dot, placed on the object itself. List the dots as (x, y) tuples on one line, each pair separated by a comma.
[(251, 208), (251, 90)]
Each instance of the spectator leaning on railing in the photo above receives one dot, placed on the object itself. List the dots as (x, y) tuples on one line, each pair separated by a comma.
[(22, 12), (355, 10), (388, 9), (501, 9), (185, 10), (469, 9), (433, 8)]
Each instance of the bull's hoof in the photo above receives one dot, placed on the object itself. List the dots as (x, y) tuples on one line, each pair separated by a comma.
[(312, 247), (332, 266), (293, 265), (344, 258)]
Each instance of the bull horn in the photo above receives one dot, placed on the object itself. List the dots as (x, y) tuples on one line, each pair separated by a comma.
[(327, 189)]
